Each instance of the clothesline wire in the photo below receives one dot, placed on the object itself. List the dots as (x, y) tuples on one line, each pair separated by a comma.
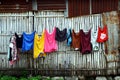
[(47, 16)]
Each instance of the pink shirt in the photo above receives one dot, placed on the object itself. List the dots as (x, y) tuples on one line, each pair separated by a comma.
[(50, 42)]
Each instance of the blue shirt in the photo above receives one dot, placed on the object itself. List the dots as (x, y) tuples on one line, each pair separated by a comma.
[(28, 41)]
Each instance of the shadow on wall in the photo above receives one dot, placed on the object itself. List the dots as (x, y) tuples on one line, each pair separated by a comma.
[(119, 36)]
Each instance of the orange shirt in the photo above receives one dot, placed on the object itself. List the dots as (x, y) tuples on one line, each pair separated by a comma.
[(76, 40)]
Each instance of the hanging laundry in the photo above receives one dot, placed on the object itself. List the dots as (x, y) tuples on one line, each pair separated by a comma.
[(28, 41), (86, 46), (50, 42), (76, 40), (95, 45), (9, 55), (12, 50), (102, 34), (38, 50), (69, 37), (61, 35), (19, 40)]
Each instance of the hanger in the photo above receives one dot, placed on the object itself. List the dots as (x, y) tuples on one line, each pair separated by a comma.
[(12, 33)]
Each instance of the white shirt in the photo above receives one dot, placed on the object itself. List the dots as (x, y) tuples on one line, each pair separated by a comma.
[(94, 34)]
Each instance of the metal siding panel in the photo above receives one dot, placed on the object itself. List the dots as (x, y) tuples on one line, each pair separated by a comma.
[(112, 22), (9, 26), (78, 8), (51, 5), (15, 6), (101, 6), (70, 11), (13, 1)]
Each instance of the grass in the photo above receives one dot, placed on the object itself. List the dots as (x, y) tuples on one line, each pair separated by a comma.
[(38, 77)]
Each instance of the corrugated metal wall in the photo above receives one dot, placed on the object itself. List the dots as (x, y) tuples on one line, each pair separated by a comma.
[(13, 6), (112, 21), (65, 57), (51, 5), (100, 6), (13, 22), (78, 7), (86, 7)]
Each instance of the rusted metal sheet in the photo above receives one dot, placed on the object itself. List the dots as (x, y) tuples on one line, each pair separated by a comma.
[(10, 6), (51, 5), (14, 8), (112, 21), (85, 7), (100, 6), (78, 7), (14, 1)]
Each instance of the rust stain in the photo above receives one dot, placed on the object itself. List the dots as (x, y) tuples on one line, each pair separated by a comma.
[(113, 18), (113, 48), (104, 20)]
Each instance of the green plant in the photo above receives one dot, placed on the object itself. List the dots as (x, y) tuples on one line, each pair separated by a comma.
[(24, 73), (8, 78), (48, 78), (35, 78), (23, 78)]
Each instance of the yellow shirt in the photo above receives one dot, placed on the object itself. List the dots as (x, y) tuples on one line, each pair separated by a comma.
[(38, 50)]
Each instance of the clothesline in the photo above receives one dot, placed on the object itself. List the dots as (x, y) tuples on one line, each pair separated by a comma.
[(39, 34), (13, 34), (32, 16), (21, 34), (43, 16), (9, 34), (16, 15)]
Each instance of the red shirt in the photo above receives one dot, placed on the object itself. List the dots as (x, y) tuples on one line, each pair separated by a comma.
[(102, 34)]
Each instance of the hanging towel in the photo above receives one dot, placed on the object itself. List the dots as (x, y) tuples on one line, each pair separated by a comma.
[(39, 46), (28, 41), (61, 35), (50, 42)]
